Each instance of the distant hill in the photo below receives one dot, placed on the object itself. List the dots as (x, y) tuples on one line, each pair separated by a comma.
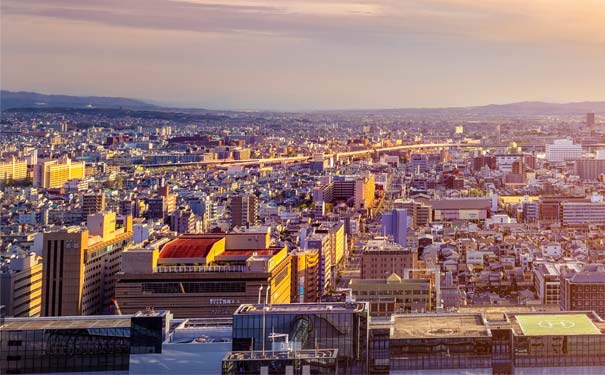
[(22, 99), (18, 100), (521, 109)]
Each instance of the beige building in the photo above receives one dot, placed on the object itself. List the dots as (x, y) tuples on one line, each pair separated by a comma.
[(54, 173), (13, 170), (394, 295), (80, 266), (381, 258), (21, 285)]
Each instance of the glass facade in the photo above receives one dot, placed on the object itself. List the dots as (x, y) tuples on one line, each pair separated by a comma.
[(303, 362), (343, 329), (441, 353), (64, 350), (559, 351)]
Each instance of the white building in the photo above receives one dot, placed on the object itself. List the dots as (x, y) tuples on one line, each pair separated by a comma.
[(562, 150)]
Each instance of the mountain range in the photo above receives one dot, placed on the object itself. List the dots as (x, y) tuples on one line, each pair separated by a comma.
[(22, 99)]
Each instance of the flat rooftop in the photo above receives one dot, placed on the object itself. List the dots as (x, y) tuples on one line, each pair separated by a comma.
[(68, 322), (430, 325), (556, 324), (301, 308)]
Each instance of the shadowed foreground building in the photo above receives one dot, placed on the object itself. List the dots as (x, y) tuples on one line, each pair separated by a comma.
[(318, 332), (79, 344)]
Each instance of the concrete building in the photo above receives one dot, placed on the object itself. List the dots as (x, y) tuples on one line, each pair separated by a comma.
[(244, 210), (55, 173), (204, 275), (305, 276), (394, 295), (582, 213), (21, 285), (395, 223), (563, 150), (13, 170), (380, 259), (80, 266), (590, 169), (92, 203), (583, 290), (182, 221), (547, 279)]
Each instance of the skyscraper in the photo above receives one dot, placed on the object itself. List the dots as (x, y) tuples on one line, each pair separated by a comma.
[(395, 223)]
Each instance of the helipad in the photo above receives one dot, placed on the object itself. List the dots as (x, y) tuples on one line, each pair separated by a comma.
[(556, 324)]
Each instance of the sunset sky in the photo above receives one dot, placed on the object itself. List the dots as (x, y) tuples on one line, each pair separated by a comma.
[(311, 54)]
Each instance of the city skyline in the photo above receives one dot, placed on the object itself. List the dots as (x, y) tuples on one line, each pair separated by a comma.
[(293, 55)]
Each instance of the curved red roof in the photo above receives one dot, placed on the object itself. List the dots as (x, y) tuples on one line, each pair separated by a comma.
[(188, 247)]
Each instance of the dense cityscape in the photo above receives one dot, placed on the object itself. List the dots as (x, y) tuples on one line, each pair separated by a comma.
[(311, 243), (302, 187)]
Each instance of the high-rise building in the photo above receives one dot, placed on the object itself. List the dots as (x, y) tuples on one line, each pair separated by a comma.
[(395, 223), (563, 150), (305, 276), (244, 210), (21, 285), (92, 203), (54, 173), (80, 266), (13, 170), (590, 119)]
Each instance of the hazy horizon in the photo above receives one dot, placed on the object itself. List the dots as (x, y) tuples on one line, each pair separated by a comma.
[(307, 55)]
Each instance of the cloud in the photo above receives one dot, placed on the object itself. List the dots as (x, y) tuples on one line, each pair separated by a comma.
[(519, 21)]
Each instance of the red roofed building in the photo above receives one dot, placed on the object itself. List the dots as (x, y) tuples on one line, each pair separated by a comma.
[(204, 275)]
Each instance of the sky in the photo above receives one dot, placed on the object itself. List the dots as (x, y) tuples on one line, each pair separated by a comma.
[(307, 54)]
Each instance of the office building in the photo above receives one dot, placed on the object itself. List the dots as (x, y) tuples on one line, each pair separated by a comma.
[(502, 343), (461, 209), (357, 190), (244, 210), (590, 169), (547, 279), (394, 295), (380, 259), (305, 276), (55, 173), (21, 284), (79, 344), (395, 224), (583, 290), (563, 150), (182, 221), (92, 203), (13, 170), (80, 266), (582, 213), (204, 275), (336, 326)]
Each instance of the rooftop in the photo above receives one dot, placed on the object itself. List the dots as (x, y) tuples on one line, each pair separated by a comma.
[(556, 324), (66, 322), (462, 204), (190, 246), (301, 308), (431, 325)]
